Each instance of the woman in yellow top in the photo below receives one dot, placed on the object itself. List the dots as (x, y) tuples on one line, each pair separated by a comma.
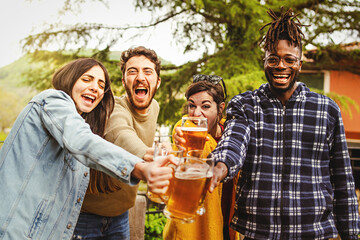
[(206, 97)]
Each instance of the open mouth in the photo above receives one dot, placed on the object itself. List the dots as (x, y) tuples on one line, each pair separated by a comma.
[(88, 98), (281, 78), (141, 91)]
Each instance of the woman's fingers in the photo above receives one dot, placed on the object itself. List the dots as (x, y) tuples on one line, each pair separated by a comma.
[(178, 136)]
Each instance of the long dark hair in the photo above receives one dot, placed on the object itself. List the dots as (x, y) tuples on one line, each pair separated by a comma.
[(64, 79)]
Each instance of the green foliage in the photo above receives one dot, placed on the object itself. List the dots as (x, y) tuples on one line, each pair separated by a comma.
[(232, 26), (246, 82), (142, 189), (154, 225), (11, 77), (39, 77)]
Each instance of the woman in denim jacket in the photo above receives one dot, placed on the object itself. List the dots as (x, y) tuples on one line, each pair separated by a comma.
[(45, 160)]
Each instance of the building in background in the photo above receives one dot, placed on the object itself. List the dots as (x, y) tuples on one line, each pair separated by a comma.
[(335, 70)]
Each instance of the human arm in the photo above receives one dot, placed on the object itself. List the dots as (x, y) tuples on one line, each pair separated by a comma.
[(219, 173), (59, 116), (231, 150), (345, 201)]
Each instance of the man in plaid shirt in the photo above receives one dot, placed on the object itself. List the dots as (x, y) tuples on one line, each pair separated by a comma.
[(296, 180)]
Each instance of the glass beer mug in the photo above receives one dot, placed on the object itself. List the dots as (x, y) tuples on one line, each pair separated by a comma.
[(187, 190), (206, 157), (195, 132), (160, 151)]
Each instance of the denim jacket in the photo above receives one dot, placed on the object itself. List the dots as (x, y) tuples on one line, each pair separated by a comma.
[(44, 168)]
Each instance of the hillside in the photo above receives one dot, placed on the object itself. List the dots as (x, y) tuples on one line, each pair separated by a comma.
[(11, 78)]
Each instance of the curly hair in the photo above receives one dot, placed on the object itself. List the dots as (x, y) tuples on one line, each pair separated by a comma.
[(140, 51), (283, 27)]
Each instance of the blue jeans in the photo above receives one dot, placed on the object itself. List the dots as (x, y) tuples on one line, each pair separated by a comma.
[(91, 226)]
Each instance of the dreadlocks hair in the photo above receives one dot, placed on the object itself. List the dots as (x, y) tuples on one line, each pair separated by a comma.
[(285, 27)]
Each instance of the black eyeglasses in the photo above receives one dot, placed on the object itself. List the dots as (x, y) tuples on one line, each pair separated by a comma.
[(214, 79), (274, 61)]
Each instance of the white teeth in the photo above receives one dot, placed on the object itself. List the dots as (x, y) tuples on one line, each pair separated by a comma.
[(281, 76), (89, 96)]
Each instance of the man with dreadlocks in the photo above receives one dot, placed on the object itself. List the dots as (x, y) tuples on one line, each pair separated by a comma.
[(296, 180)]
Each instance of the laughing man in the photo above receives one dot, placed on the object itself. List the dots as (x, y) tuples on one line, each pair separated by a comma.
[(131, 126)]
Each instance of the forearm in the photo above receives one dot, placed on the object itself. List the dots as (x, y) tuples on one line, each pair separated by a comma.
[(221, 170), (139, 171), (219, 173), (345, 203)]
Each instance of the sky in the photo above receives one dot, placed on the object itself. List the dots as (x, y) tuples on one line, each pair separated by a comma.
[(19, 18)]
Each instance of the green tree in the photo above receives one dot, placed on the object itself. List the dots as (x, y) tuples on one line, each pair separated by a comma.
[(231, 26)]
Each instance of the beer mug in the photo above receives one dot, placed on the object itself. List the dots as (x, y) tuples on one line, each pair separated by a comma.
[(160, 151), (206, 157), (195, 132), (187, 190)]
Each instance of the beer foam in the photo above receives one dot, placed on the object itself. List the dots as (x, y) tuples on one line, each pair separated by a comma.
[(191, 173), (194, 129), (209, 174)]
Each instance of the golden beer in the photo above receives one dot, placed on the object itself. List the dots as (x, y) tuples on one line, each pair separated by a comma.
[(205, 157), (207, 185), (194, 137), (186, 194)]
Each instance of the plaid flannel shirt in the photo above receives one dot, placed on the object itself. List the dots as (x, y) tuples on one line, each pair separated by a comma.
[(296, 180)]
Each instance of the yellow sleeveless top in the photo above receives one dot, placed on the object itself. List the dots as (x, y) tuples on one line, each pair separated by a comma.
[(206, 227)]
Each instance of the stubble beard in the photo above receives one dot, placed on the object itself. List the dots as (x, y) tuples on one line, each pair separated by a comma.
[(282, 90), (132, 102)]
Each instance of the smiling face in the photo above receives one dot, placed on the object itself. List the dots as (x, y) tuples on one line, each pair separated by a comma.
[(88, 90), (201, 104), (141, 82), (282, 79)]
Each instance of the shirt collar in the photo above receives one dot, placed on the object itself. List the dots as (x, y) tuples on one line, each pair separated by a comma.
[(298, 95)]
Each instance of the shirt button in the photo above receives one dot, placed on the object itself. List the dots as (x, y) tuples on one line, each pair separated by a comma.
[(68, 226), (79, 200), (123, 172), (85, 174)]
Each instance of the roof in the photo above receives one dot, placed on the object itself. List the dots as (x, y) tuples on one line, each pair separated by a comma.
[(336, 57)]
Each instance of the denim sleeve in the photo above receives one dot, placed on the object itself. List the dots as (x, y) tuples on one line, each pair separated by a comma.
[(232, 147), (345, 200), (61, 119)]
